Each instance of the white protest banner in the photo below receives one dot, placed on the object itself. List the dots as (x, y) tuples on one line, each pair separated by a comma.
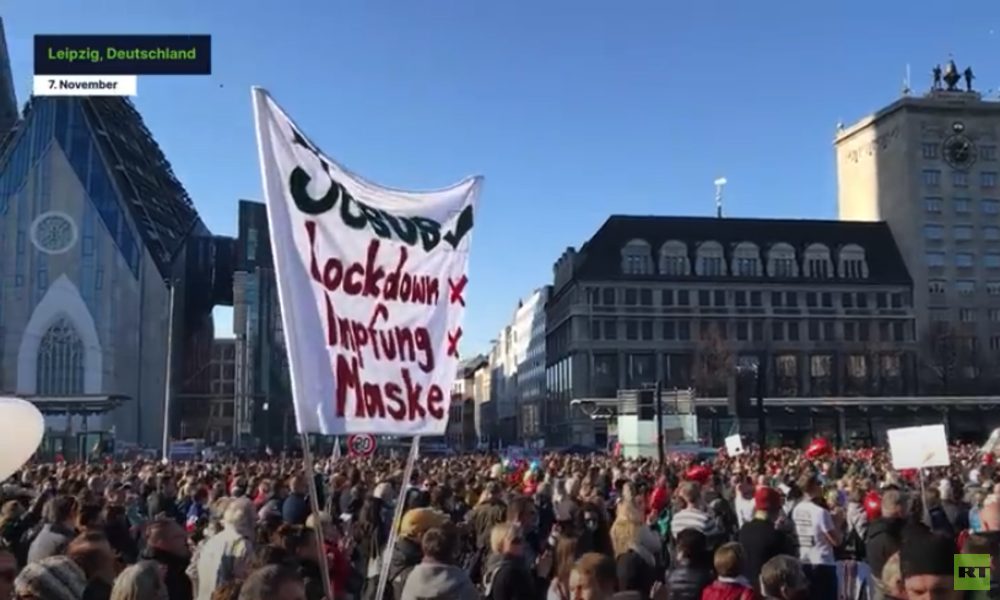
[(371, 283), (918, 447)]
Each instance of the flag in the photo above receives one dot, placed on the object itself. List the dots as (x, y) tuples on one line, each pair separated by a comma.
[(372, 285)]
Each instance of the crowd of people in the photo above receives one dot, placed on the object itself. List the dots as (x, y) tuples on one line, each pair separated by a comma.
[(784, 526)]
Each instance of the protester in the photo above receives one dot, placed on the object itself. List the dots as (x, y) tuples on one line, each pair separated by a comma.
[(437, 576)]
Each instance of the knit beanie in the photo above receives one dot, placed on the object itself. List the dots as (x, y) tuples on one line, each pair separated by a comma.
[(931, 554)]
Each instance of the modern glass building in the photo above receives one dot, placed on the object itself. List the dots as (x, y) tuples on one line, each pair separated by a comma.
[(264, 412)]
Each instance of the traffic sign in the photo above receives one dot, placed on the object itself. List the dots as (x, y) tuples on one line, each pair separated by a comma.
[(361, 444)]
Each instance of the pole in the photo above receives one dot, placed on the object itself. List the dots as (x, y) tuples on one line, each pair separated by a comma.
[(168, 385), (661, 451), (761, 417), (310, 473), (383, 578)]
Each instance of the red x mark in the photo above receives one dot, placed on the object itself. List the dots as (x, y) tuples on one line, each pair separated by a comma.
[(453, 339), (455, 290)]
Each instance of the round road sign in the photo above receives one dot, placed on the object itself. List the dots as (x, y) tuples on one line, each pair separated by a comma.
[(361, 444)]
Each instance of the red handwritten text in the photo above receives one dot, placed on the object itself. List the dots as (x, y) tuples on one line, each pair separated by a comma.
[(370, 280), (402, 344), (407, 402)]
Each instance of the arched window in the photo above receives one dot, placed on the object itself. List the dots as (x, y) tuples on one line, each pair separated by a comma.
[(637, 258), (781, 261), (746, 260), (674, 258), (60, 361), (818, 262), (851, 263), (711, 260)]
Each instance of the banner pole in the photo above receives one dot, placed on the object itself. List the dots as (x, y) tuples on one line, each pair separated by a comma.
[(397, 518), (310, 472)]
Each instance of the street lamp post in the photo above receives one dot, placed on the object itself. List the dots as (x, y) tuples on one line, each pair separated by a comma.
[(168, 385)]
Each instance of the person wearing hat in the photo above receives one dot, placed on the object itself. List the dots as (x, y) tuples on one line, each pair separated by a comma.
[(760, 537), (52, 578), (927, 569)]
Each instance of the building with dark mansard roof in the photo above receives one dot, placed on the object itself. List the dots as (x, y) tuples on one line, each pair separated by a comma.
[(824, 306)]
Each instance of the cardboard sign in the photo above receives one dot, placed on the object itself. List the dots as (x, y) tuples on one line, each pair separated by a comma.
[(918, 447), (734, 445)]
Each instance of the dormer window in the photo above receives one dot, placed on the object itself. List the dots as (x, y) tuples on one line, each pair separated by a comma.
[(711, 260), (637, 258), (781, 261), (818, 262), (746, 260), (852, 263), (674, 259)]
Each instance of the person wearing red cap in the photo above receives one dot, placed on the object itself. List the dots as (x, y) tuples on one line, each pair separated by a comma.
[(761, 539)]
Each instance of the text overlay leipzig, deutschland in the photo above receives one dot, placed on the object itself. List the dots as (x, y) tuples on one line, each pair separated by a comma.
[(123, 55)]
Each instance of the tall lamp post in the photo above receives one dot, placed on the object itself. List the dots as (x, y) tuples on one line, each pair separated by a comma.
[(168, 386)]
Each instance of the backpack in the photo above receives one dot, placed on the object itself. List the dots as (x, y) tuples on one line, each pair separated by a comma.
[(474, 563), (488, 578), (854, 545), (393, 589)]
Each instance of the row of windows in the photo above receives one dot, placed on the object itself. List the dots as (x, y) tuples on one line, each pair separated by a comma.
[(965, 287), (781, 330), (610, 296), (932, 151), (961, 233), (961, 205), (748, 260), (817, 371), (932, 178), (972, 315), (962, 260)]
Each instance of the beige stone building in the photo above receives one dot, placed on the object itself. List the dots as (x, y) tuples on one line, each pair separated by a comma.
[(928, 166)]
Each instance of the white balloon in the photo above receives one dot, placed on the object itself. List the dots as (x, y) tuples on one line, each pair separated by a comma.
[(21, 431)]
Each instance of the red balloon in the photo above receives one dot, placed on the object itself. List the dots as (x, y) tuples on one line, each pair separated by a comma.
[(873, 505), (699, 473), (988, 459), (818, 447)]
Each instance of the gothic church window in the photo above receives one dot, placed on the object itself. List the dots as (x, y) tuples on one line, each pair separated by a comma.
[(60, 366)]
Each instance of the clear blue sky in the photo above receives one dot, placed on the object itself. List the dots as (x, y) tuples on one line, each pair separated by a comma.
[(571, 109)]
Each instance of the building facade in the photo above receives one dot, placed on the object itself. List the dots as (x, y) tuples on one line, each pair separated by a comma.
[(503, 387), (517, 364), (211, 416), (529, 357), (822, 307), (265, 416), (94, 234), (484, 407), (461, 433), (928, 166)]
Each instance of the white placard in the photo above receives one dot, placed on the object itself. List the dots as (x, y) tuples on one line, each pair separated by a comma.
[(85, 85), (919, 447), (372, 283), (734, 445)]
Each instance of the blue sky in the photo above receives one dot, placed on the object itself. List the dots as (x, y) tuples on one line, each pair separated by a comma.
[(571, 109)]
